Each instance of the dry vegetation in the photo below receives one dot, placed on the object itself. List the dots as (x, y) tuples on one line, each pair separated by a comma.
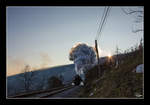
[(119, 82)]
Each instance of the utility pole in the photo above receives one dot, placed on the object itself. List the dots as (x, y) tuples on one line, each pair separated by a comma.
[(97, 51), (117, 60), (99, 72), (102, 23)]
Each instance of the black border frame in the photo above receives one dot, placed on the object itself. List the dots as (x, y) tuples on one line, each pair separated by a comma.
[(3, 49)]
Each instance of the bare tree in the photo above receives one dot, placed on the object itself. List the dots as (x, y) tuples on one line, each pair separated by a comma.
[(138, 13), (27, 76)]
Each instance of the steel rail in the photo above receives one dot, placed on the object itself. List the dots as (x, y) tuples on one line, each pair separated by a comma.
[(34, 93)]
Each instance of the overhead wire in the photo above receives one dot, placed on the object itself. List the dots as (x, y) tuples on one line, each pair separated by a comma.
[(103, 21)]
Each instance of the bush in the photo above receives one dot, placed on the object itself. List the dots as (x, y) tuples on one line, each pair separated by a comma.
[(94, 73), (91, 74), (54, 82)]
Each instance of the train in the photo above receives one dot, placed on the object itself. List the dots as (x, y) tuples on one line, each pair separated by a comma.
[(77, 81)]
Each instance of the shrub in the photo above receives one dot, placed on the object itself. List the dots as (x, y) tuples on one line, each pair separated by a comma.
[(54, 82)]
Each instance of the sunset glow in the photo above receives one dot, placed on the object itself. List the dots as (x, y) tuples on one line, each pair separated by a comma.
[(109, 55)]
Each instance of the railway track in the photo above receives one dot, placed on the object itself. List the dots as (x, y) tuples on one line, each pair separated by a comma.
[(42, 93), (55, 92)]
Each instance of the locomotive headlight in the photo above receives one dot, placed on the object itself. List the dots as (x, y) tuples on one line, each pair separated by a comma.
[(81, 84)]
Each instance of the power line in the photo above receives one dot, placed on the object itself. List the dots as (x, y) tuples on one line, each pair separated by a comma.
[(103, 21)]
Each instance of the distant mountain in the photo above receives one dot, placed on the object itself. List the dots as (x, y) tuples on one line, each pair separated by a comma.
[(15, 83)]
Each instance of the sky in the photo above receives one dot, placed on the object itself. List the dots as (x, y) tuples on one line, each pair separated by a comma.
[(43, 36)]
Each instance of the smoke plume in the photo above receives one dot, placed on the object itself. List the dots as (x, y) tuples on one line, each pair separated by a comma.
[(45, 60), (84, 58)]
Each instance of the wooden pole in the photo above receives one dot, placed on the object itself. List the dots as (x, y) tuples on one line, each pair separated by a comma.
[(97, 57), (97, 51)]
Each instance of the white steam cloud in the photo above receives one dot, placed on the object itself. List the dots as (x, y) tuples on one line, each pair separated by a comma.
[(46, 60), (84, 58)]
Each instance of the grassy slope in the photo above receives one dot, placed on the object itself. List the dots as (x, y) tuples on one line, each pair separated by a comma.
[(116, 83)]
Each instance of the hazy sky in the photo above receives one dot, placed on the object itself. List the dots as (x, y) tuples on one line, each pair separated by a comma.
[(43, 36)]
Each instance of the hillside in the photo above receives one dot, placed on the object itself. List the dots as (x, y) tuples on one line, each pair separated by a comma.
[(119, 82), (15, 84)]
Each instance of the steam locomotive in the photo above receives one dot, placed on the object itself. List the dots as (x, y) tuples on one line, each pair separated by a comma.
[(77, 80)]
